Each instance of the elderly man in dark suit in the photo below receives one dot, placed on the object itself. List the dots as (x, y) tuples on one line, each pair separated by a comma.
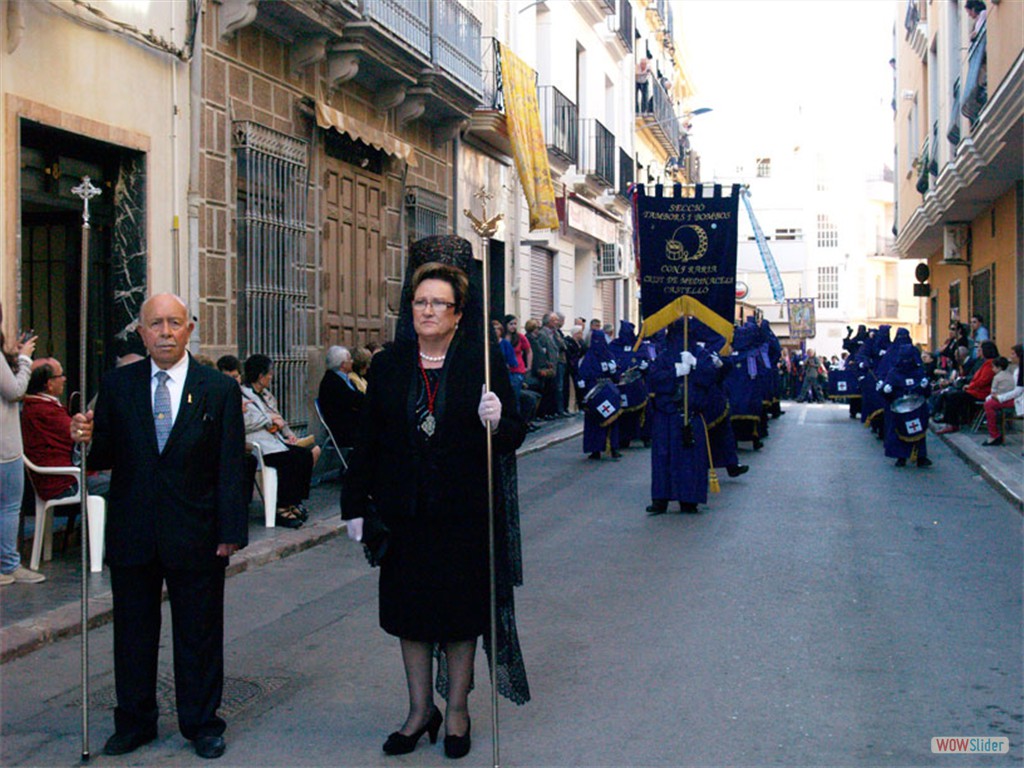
[(171, 431), (340, 401)]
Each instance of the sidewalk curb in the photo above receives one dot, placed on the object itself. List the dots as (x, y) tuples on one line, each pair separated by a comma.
[(24, 637), (1002, 488)]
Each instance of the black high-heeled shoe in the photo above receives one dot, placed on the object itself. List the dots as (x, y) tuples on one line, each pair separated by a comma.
[(400, 744), (458, 746)]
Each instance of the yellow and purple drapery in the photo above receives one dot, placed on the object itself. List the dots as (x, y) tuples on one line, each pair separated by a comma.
[(529, 150)]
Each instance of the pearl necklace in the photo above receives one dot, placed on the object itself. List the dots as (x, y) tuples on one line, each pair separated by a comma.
[(433, 358)]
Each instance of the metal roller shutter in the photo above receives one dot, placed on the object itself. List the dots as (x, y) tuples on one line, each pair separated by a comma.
[(542, 282), (608, 314)]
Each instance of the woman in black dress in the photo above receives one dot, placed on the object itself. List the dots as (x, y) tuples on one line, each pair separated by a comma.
[(420, 466)]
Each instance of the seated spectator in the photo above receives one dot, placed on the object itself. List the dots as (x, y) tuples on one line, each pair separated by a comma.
[(340, 399), (1007, 392), (230, 365), (957, 338), (282, 448), (361, 359), (956, 403), (46, 433)]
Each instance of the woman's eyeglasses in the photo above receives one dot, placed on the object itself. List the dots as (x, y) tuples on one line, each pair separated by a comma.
[(435, 304)]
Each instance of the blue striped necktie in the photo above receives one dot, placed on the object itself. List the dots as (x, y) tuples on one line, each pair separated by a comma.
[(162, 410)]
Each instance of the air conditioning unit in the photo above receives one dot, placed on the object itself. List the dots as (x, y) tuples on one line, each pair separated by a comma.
[(609, 261), (956, 237)]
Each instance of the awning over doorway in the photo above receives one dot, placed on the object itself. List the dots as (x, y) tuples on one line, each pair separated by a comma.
[(329, 117)]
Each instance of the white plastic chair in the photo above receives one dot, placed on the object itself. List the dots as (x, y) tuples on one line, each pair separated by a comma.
[(266, 481), (330, 436), (42, 539)]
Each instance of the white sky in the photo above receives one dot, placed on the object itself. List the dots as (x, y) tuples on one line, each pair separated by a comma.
[(754, 62)]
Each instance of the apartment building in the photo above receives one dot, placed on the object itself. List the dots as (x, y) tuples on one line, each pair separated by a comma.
[(959, 135)]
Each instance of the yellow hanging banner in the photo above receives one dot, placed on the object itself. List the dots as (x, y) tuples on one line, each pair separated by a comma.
[(529, 150)]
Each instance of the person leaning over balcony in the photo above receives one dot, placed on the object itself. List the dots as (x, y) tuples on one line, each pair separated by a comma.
[(643, 79), (1003, 396), (978, 13)]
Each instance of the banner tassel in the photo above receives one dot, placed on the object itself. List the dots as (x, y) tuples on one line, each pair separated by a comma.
[(713, 485)]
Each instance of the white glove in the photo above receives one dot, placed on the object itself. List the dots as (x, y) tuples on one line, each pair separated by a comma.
[(716, 360), (643, 365), (581, 383), (685, 364), (887, 388), (354, 528), (924, 381), (878, 386), (882, 352), (489, 410), (612, 366)]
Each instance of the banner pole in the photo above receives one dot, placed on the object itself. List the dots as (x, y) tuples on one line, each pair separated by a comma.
[(485, 228), (85, 191)]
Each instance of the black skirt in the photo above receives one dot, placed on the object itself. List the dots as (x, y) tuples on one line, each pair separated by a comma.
[(434, 583)]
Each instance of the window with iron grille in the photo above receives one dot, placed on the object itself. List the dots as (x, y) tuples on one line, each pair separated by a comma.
[(828, 232), (828, 287), (428, 213), (273, 295), (764, 167)]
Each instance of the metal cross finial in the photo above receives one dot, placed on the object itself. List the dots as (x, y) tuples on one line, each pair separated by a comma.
[(483, 226), (86, 191)]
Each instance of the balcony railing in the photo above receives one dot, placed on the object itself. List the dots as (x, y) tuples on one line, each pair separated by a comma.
[(627, 170), (975, 92), (912, 17), (659, 116), (953, 134), (456, 42), (597, 152), (887, 308), (408, 19), (625, 30), (559, 122), (493, 96), (885, 245)]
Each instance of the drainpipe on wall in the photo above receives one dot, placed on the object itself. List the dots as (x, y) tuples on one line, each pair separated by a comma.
[(195, 102)]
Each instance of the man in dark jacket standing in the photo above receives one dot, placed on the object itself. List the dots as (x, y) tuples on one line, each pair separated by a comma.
[(340, 401), (171, 431)]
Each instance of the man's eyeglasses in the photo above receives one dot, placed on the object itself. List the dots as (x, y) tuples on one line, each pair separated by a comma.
[(435, 304)]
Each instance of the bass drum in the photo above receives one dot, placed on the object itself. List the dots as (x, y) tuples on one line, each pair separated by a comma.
[(910, 417), (604, 400), (633, 388)]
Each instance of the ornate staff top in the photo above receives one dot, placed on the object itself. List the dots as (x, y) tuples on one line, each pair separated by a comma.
[(86, 191), (483, 226)]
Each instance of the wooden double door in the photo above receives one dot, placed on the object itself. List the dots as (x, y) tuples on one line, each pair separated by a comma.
[(354, 250)]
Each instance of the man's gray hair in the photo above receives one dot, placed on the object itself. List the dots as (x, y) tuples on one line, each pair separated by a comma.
[(336, 356)]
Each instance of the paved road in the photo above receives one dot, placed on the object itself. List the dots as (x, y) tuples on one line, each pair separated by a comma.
[(827, 609)]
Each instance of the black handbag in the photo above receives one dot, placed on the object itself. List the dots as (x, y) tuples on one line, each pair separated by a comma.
[(376, 538)]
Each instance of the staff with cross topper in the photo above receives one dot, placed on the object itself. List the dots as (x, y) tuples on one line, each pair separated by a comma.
[(86, 191)]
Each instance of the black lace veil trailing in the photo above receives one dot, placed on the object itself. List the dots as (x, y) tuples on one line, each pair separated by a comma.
[(510, 668)]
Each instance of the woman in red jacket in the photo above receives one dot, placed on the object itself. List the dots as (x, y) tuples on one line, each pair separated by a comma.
[(957, 403)]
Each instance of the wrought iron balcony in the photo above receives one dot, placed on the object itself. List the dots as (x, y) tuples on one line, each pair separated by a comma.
[(658, 116), (627, 170), (625, 25), (597, 152), (559, 122), (912, 17), (491, 85), (456, 42), (887, 308), (975, 91), (409, 20)]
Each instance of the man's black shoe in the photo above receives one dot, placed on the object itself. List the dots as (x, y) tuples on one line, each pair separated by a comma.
[(123, 743), (688, 508), (658, 507), (210, 747), (737, 469), (924, 461)]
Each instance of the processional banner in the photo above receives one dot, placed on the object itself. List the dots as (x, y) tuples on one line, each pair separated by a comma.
[(802, 324), (687, 257)]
